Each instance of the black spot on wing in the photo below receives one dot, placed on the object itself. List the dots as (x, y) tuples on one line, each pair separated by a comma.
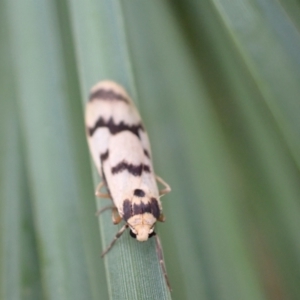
[(135, 170), (154, 208), (108, 95), (115, 128), (139, 193), (127, 210)]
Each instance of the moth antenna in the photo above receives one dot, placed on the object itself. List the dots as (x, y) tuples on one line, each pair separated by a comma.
[(119, 233), (161, 261)]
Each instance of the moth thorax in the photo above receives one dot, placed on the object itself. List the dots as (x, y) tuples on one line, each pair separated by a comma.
[(142, 225)]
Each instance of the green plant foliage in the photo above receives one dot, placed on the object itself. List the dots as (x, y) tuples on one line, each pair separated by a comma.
[(217, 84)]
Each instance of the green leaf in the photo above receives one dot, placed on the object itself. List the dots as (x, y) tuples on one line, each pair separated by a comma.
[(202, 210), (20, 276), (63, 208)]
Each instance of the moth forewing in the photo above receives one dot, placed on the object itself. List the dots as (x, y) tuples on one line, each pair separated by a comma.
[(120, 148)]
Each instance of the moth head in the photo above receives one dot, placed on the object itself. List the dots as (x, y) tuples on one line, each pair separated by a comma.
[(142, 226)]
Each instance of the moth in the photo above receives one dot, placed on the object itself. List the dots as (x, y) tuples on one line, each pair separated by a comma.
[(120, 149)]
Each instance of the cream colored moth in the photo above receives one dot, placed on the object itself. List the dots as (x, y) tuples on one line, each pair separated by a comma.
[(121, 151)]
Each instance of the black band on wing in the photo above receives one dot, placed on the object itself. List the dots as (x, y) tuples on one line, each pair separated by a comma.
[(155, 208), (115, 128), (130, 210), (135, 170), (109, 95), (104, 156), (141, 208), (127, 210)]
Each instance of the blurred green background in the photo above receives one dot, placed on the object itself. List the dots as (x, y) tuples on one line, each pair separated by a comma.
[(218, 86)]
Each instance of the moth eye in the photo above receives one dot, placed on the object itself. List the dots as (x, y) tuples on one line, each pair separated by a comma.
[(133, 235), (152, 234), (139, 193)]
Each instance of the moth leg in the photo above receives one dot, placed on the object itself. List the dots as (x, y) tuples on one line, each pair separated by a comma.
[(101, 210), (101, 195), (98, 192), (161, 260), (119, 233), (161, 218), (116, 218), (167, 188)]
